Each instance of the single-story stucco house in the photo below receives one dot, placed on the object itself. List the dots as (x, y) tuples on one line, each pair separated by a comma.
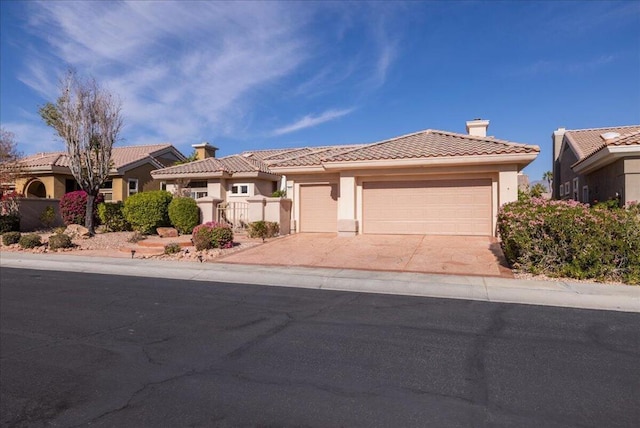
[(427, 182), (597, 164), (47, 175)]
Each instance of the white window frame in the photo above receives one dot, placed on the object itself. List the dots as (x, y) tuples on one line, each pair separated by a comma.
[(566, 188), (585, 194), (561, 190), (575, 184), (239, 192), (131, 191)]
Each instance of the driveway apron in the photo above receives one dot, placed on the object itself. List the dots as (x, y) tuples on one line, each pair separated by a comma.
[(460, 255)]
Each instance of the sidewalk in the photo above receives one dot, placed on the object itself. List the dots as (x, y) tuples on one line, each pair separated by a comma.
[(489, 289)]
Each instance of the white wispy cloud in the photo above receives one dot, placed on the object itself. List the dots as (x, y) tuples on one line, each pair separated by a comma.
[(192, 70), (179, 67), (310, 120)]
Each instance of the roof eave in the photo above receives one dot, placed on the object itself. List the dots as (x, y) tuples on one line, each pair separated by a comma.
[(297, 169), (522, 159), (604, 157), (190, 175)]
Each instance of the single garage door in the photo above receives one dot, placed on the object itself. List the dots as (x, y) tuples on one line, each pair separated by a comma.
[(433, 207), (319, 208)]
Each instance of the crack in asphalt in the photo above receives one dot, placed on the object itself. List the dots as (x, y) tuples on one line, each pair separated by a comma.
[(475, 360)]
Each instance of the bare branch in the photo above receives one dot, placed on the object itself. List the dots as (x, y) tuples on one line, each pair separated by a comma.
[(88, 120)]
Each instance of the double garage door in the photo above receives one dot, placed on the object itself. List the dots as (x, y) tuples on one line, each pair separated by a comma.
[(432, 207)]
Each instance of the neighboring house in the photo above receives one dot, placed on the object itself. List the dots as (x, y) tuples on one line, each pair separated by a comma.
[(428, 182), (47, 175), (232, 178), (597, 164)]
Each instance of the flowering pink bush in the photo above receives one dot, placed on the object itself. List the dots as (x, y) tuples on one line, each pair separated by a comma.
[(567, 238), (73, 207), (212, 235)]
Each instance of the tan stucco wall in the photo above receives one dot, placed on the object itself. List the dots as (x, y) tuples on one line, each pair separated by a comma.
[(54, 184), (565, 174), (632, 180), (605, 182)]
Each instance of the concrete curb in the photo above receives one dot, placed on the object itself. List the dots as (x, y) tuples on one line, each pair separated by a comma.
[(489, 289)]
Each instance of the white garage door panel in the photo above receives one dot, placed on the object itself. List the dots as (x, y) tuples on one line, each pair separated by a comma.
[(447, 207), (319, 208)]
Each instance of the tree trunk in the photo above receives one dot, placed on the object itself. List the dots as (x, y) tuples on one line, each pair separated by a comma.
[(88, 219)]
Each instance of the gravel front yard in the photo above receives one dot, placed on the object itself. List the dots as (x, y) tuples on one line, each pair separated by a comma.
[(117, 244)]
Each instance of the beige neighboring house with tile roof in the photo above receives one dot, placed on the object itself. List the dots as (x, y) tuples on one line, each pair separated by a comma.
[(427, 182), (47, 175), (597, 164)]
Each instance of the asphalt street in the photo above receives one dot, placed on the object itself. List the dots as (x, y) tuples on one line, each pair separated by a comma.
[(82, 349)]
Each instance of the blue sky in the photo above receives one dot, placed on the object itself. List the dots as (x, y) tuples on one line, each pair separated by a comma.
[(245, 76)]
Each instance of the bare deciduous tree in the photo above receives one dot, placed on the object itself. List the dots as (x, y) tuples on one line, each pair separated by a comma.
[(9, 157), (87, 118)]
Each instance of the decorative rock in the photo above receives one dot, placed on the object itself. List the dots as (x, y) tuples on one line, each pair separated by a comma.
[(167, 232), (76, 231)]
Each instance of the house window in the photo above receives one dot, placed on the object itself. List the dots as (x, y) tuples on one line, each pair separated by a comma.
[(163, 185), (575, 189), (133, 186), (107, 190), (240, 189), (198, 189), (566, 188), (196, 195), (561, 190), (585, 194)]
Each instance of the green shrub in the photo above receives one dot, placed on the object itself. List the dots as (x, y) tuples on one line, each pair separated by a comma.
[(60, 240), (48, 216), (609, 204), (9, 223), (212, 235), (184, 214), (147, 211), (279, 194), (112, 216), (172, 248), (566, 238), (263, 229), (10, 238), (30, 240)]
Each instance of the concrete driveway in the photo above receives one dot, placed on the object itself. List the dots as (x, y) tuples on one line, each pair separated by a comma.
[(460, 255)]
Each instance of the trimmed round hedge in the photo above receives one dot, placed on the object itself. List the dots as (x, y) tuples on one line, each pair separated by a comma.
[(147, 211), (184, 214)]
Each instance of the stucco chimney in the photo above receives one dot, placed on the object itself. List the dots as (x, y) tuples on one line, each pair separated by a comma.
[(477, 127), (558, 136), (205, 150)]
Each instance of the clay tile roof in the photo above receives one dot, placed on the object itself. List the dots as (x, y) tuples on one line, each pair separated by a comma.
[(120, 156), (203, 166), (123, 156), (229, 164), (586, 142), (240, 163), (314, 156), (273, 154), (432, 143), (45, 160)]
